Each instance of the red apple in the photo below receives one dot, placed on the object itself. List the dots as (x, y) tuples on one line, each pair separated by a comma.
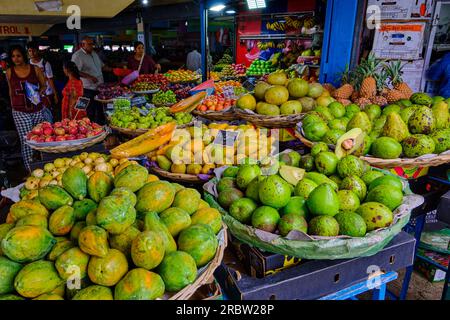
[(73, 123), (58, 125), (81, 136), (65, 122), (66, 130), (49, 139), (60, 138), (95, 125), (40, 139), (73, 130), (46, 124), (70, 137), (86, 120), (60, 131), (82, 129), (97, 132), (37, 130), (90, 134), (34, 138), (48, 131)]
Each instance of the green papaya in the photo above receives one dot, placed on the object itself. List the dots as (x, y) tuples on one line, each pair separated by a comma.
[(74, 181)]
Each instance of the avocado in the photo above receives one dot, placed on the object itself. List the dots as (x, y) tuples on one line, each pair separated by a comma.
[(388, 195), (315, 131), (364, 147), (395, 127), (323, 200), (392, 108), (376, 215), (228, 196), (370, 176), (355, 184), (304, 187), (349, 142), (324, 226), (348, 201), (292, 221), (336, 179), (421, 121), (351, 224), (230, 172), (373, 111), (350, 165), (326, 162), (332, 136), (296, 205), (441, 114), (441, 140), (386, 180), (320, 178), (386, 148), (307, 163), (292, 175), (265, 218), (291, 158), (225, 183), (418, 145), (360, 120), (319, 147)]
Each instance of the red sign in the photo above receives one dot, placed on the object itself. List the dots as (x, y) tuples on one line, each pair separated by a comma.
[(9, 30)]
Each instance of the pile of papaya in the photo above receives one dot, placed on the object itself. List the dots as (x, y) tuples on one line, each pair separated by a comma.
[(127, 237)]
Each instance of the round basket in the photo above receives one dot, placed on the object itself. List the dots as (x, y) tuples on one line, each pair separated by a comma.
[(103, 100), (424, 162), (300, 245), (282, 121), (160, 105), (228, 115), (205, 274), (138, 132), (146, 92), (180, 177), (68, 146)]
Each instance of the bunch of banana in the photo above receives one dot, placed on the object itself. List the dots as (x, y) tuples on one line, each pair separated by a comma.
[(281, 45), (294, 23), (276, 26), (309, 22), (266, 45)]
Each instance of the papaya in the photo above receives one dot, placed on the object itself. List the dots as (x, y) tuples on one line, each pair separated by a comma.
[(91, 218), (49, 296), (139, 284), (147, 250), (145, 143), (74, 181), (188, 103), (187, 199), (93, 240), (72, 263), (75, 232), (33, 220), (61, 221), (4, 229), (9, 218), (115, 214), (10, 297), (155, 196), (126, 193), (37, 278), (82, 208), (152, 222), (99, 185), (122, 242), (94, 292), (27, 243), (73, 287), (209, 216), (8, 271), (107, 271), (123, 165), (53, 197), (200, 242), (175, 219), (60, 290), (62, 245), (25, 208), (178, 270), (132, 177)]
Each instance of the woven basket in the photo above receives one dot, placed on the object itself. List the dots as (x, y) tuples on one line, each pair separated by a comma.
[(228, 115), (283, 121), (138, 132), (103, 101), (305, 141), (408, 162), (179, 177), (69, 146), (206, 276)]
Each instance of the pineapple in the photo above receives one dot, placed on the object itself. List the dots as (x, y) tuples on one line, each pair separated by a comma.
[(394, 71), (346, 89), (363, 102), (345, 102), (379, 100), (355, 95), (329, 87), (394, 95), (367, 72)]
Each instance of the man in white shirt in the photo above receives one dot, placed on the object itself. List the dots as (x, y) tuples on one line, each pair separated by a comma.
[(37, 60), (91, 69), (194, 60)]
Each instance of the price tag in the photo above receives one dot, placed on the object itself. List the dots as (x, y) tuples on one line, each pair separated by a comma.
[(226, 138), (82, 103), (138, 101)]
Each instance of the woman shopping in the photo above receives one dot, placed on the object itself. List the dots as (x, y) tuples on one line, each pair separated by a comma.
[(148, 64), (27, 87), (71, 92)]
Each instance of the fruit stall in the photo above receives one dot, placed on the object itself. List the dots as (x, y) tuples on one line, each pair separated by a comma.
[(260, 183)]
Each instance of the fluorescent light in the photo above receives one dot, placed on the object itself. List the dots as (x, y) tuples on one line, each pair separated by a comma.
[(218, 7), (145, 2), (230, 11), (256, 4)]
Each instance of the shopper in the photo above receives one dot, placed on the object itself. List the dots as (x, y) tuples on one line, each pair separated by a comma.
[(91, 70), (149, 66), (27, 110), (440, 71), (194, 60), (71, 92), (51, 100)]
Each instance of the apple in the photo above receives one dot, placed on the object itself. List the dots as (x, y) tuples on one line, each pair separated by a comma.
[(90, 134), (60, 131), (48, 131), (97, 132), (37, 130), (34, 137), (66, 130), (95, 125), (81, 136), (82, 129), (86, 120), (73, 123), (73, 130), (58, 125), (40, 139), (70, 137), (49, 139), (46, 124), (60, 138)]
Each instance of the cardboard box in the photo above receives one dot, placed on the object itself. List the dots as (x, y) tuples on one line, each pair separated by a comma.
[(209, 291), (316, 278), (443, 210), (258, 263), (400, 9), (399, 40)]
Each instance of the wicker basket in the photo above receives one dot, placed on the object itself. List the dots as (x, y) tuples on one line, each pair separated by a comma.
[(138, 132), (179, 177), (228, 115), (282, 121), (103, 101), (69, 146), (305, 141), (207, 275), (408, 162)]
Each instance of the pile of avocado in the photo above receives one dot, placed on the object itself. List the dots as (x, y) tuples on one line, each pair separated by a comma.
[(407, 129), (318, 194)]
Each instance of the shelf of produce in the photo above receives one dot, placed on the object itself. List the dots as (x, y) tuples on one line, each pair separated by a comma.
[(315, 278), (276, 37)]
